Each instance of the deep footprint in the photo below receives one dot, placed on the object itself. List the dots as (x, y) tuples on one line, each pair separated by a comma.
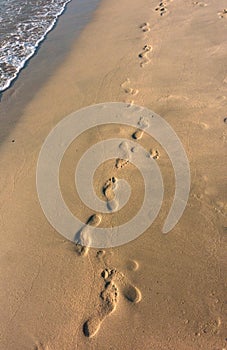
[(109, 298), (161, 8), (138, 134)]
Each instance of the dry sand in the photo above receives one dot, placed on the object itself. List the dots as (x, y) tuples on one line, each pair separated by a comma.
[(159, 291)]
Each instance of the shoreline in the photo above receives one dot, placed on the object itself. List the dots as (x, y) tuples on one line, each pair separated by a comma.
[(166, 291), (45, 61)]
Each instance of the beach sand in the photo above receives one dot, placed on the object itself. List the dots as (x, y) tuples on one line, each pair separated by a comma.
[(158, 291)]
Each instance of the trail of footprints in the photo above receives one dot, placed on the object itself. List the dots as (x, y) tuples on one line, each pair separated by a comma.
[(144, 59), (82, 238), (115, 283)]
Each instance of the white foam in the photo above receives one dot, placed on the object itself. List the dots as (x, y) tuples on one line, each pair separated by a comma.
[(7, 50)]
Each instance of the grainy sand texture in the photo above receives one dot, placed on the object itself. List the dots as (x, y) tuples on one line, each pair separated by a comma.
[(160, 291)]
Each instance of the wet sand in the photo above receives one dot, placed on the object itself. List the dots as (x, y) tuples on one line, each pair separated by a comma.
[(158, 291)]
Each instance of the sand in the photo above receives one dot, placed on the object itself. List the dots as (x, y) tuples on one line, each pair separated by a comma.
[(158, 291)]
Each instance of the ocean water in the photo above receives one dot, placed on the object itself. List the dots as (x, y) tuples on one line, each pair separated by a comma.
[(23, 25)]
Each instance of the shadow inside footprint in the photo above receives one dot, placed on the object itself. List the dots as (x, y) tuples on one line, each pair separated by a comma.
[(108, 191), (108, 304), (132, 293), (82, 238)]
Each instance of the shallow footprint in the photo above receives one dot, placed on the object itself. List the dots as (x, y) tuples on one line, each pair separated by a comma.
[(121, 163), (145, 27), (40, 346), (199, 3), (132, 293), (132, 265), (128, 89), (83, 236), (108, 304)]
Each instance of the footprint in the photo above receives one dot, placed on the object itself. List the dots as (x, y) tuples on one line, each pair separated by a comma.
[(125, 150), (108, 303), (222, 14), (204, 125), (161, 8), (138, 134), (143, 124), (110, 294), (145, 27), (132, 293), (132, 265), (40, 346), (83, 236), (108, 191), (121, 163), (199, 3), (108, 274), (128, 89), (144, 55), (100, 254), (154, 153)]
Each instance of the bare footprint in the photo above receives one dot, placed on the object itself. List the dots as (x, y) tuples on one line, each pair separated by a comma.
[(109, 297), (223, 13), (108, 302), (132, 265), (126, 86), (138, 134), (145, 27), (131, 293), (154, 153), (121, 163), (162, 8), (144, 55), (108, 190), (40, 346), (199, 3), (143, 124), (83, 236)]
